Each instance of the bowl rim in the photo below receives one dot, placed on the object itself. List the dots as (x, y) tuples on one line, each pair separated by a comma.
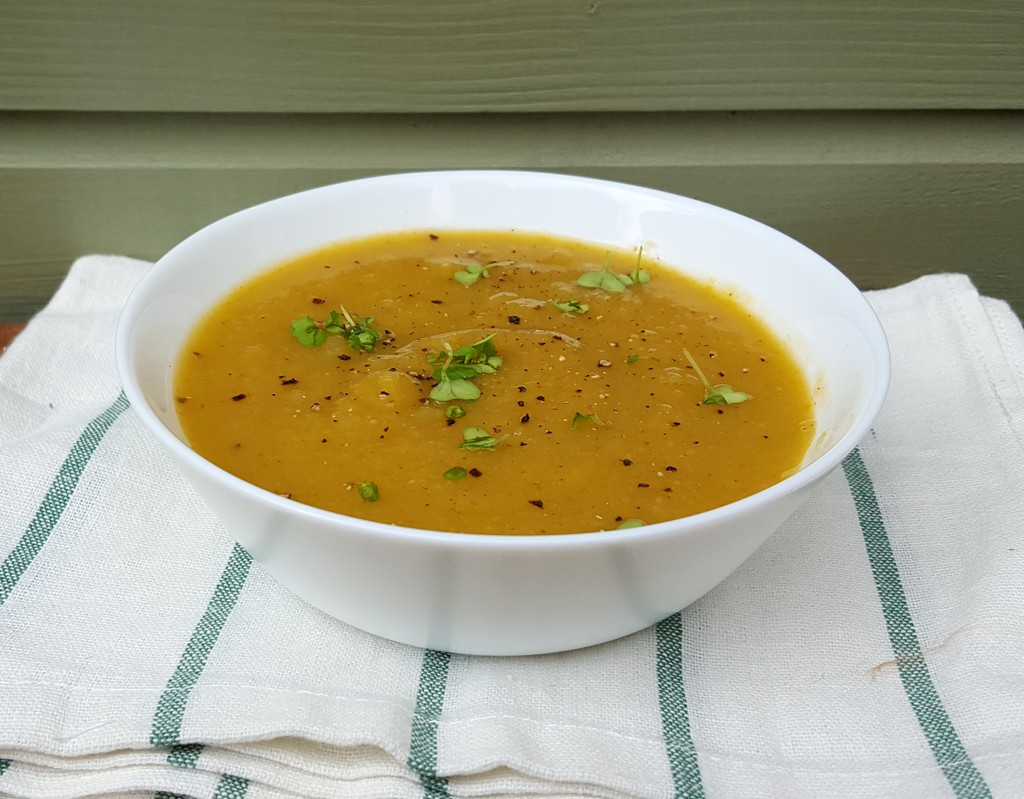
[(873, 333)]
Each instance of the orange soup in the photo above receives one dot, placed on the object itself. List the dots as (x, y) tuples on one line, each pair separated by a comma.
[(492, 382)]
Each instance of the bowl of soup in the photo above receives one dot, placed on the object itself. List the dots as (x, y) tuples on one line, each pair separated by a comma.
[(500, 413)]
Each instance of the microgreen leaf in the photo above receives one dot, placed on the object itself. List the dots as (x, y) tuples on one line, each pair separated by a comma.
[(306, 330), (716, 395), (334, 325), (469, 276), (461, 366), (571, 306), (455, 473), (473, 272), (607, 280), (478, 438), (602, 279), (447, 390), (640, 275), (634, 357), (578, 417), (630, 523), (368, 491), (454, 412), (360, 335)]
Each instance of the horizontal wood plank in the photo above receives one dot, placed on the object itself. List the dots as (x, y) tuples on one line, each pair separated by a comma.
[(364, 56), (885, 196)]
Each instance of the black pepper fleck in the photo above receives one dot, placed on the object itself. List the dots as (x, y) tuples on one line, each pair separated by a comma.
[(627, 462), (525, 418), (537, 502), (514, 320), (238, 397), (474, 472)]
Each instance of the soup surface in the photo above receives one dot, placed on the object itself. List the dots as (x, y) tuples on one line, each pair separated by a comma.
[(579, 416)]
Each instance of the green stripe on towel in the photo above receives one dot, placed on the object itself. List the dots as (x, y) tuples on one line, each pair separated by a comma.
[(170, 710), (185, 755), (675, 717), (231, 787), (941, 735), (56, 499), (429, 703)]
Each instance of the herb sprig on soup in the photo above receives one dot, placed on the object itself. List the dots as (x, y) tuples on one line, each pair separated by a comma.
[(492, 382)]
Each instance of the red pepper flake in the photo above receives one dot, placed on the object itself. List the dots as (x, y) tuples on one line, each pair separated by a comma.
[(525, 418), (183, 400), (627, 462), (344, 357), (514, 320), (643, 485), (537, 502), (238, 397), (291, 381), (540, 398), (671, 469), (435, 302), (433, 236), (522, 389), (474, 472), (319, 300), (520, 403)]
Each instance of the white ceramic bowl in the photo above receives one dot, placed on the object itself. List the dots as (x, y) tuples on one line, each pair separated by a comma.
[(498, 595)]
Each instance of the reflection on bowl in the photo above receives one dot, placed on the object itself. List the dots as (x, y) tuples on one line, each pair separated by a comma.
[(495, 595)]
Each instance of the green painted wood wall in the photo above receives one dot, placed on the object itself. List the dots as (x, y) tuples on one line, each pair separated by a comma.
[(889, 137)]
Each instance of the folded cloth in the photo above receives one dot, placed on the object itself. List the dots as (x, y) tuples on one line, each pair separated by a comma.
[(874, 647)]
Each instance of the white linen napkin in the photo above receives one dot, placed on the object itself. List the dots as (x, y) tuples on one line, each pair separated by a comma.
[(874, 647)]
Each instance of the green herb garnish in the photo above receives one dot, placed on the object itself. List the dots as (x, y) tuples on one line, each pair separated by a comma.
[(473, 272), (454, 412), (607, 280), (640, 275), (634, 357), (571, 306), (584, 417), (461, 367), (478, 438), (721, 394), (360, 334), (604, 278), (455, 473), (308, 332), (629, 523), (368, 491)]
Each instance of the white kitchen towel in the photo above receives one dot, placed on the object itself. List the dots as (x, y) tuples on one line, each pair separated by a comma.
[(872, 647)]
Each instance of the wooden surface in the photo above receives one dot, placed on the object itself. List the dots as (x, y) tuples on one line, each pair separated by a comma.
[(884, 196), (367, 56), (887, 136)]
